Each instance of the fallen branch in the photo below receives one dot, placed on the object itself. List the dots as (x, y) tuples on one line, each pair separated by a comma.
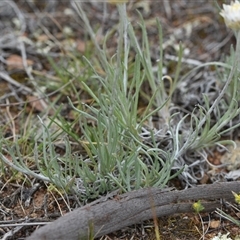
[(133, 207)]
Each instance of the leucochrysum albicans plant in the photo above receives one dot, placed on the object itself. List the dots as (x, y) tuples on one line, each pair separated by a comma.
[(122, 148), (231, 15)]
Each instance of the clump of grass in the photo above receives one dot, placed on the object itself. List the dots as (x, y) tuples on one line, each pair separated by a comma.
[(120, 147)]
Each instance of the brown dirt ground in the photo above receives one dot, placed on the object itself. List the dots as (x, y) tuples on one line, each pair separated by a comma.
[(202, 31)]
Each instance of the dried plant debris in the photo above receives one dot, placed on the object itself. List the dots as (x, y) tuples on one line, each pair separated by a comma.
[(39, 89), (231, 158)]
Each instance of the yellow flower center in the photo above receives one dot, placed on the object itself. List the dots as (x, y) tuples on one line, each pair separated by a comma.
[(236, 6)]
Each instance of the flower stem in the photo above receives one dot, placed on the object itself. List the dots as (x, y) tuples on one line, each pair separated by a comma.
[(237, 55), (230, 77)]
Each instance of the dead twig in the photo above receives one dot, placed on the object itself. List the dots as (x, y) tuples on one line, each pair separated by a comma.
[(133, 207)]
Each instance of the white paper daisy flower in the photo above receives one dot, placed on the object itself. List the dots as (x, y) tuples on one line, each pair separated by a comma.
[(231, 15)]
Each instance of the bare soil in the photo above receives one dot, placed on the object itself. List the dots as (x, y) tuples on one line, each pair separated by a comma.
[(196, 24)]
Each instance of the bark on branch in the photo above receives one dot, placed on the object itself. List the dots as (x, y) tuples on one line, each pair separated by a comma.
[(131, 208)]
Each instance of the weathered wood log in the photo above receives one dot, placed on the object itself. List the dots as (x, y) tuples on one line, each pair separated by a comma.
[(131, 208)]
